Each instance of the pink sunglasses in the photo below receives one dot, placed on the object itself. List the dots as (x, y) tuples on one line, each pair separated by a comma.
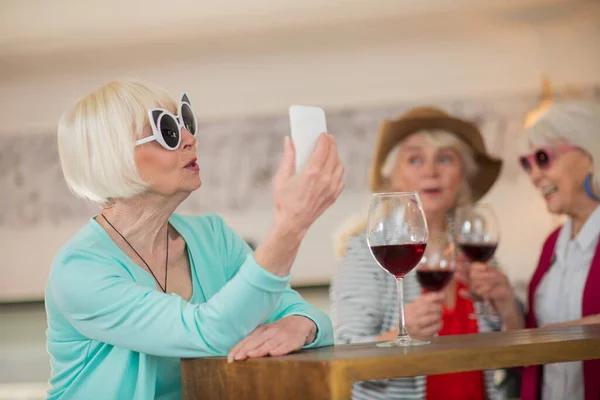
[(544, 156)]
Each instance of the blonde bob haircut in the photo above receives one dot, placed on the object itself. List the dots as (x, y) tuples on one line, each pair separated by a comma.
[(575, 122), (96, 139)]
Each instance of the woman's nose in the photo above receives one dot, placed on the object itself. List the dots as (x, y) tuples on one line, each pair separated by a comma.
[(430, 168), (187, 139), (535, 174)]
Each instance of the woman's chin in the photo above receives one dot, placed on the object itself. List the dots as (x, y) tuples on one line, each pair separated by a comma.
[(193, 184), (192, 188), (553, 204), (433, 206), (184, 189)]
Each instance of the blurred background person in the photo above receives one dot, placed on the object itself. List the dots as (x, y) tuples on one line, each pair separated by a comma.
[(559, 153), (444, 159)]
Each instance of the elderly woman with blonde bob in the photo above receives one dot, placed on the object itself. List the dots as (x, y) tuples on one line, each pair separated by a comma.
[(444, 159), (560, 153), (139, 286)]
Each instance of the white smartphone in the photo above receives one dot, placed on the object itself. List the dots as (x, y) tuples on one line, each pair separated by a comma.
[(307, 123)]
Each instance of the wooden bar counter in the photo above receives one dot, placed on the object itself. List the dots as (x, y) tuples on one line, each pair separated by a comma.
[(328, 373)]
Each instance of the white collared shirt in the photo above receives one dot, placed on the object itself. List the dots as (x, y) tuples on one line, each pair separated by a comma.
[(559, 298)]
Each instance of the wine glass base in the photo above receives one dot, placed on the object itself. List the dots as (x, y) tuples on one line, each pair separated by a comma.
[(403, 342)]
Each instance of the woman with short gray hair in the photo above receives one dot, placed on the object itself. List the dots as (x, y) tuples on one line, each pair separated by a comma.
[(140, 286), (560, 152)]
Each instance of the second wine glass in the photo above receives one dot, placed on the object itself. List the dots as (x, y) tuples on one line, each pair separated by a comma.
[(477, 234), (438, 264), (397, 237)]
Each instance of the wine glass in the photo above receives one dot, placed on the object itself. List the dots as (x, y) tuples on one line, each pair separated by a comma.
[(438, 264), (477, 233), (397, 237)]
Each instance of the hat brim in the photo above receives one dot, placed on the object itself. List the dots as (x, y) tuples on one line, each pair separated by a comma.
[(393, 132)]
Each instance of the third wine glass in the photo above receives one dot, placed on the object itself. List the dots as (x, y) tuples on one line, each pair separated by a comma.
[(477, 233)]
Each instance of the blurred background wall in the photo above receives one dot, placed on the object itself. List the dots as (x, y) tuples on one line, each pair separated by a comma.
[(243, 62)]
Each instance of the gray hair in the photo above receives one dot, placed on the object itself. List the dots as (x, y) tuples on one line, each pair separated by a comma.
[(575, 122)]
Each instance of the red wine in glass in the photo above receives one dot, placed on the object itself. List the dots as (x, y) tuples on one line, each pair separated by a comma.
[(396, 234), (478, 234), (478, 252), (434, 279), (398, 259)]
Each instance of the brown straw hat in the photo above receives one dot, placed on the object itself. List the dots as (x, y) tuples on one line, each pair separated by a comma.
[(431, 118)]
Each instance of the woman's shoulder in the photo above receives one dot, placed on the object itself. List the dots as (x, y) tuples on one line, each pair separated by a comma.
[(357, 253), (89, 240), (350, 234), (357, 241), (551, 239), (88, 253)]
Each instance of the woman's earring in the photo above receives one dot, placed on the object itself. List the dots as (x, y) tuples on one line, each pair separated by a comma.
[(588, 188)]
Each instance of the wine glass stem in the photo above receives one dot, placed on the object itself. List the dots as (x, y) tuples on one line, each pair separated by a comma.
[(400, 290)]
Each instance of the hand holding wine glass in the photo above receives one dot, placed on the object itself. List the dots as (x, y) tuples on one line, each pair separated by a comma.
[(491, 285), (423, 317), (397, 237), (477, 232)]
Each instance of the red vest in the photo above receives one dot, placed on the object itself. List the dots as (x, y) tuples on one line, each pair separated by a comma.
[(532, 376)]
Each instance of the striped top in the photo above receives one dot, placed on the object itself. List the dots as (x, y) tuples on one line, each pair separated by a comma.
[(365, 305)]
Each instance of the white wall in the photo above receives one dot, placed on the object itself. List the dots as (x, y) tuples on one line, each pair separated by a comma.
[(391, 62)]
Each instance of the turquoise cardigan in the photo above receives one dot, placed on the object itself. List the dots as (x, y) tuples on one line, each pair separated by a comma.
[(112, 335)]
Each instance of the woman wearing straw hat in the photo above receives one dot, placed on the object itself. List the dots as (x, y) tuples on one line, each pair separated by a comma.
[(444, 159), (559, 153)]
